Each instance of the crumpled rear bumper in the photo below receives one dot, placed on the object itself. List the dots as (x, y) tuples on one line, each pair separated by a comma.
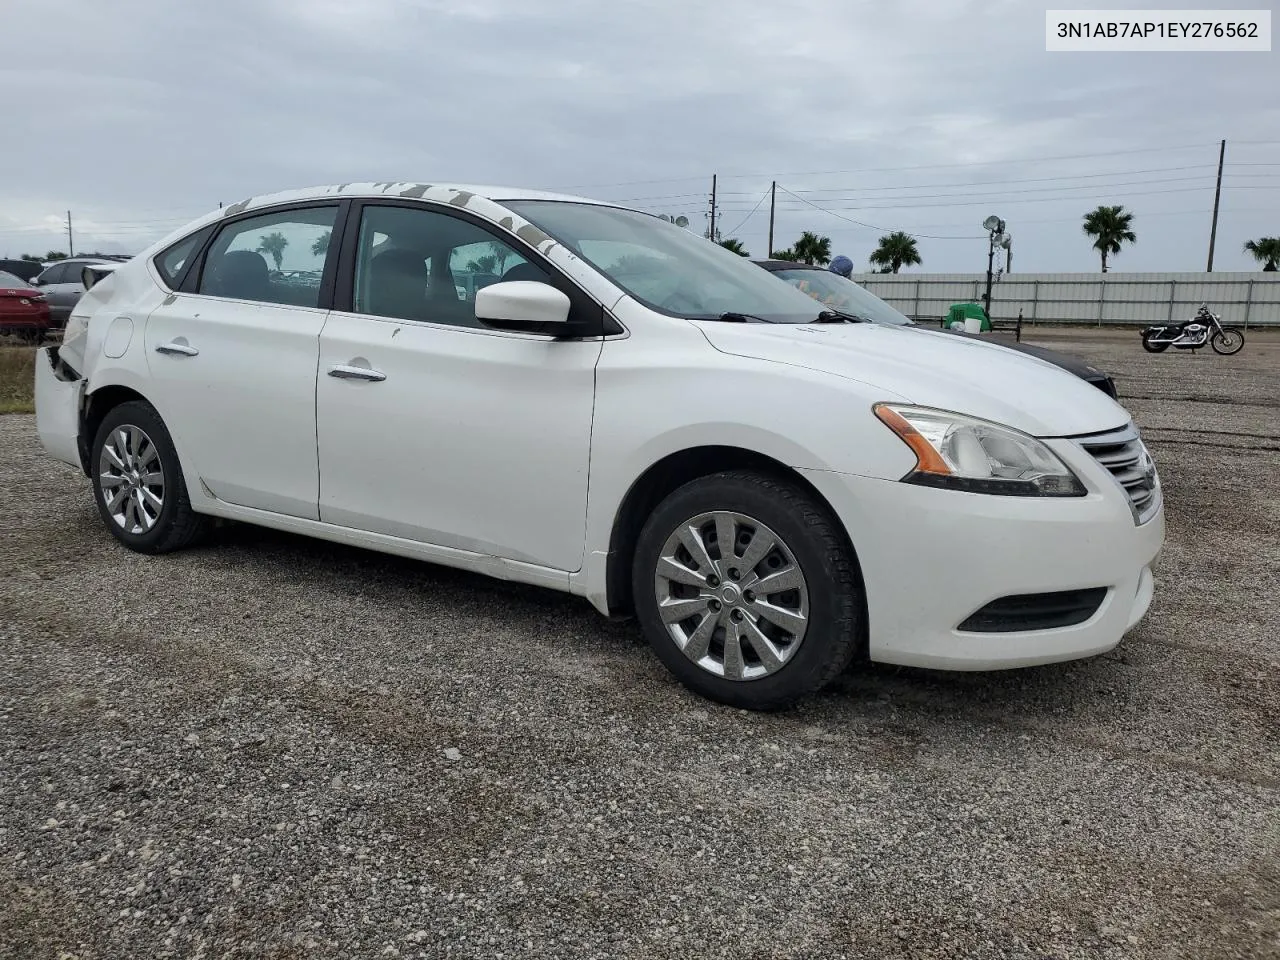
[(59, 396)]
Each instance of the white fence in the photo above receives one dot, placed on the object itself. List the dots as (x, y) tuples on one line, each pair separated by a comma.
[(1244, 299)]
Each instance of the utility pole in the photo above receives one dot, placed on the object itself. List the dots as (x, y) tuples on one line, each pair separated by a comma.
[(1217, 195), (773, 196), (991, 257), (711, 232), (71, 243)]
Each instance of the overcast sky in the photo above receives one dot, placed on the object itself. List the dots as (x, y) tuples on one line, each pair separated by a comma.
[(138, 115)]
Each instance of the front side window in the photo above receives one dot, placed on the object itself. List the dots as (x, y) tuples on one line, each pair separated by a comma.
[(666, 267), (839, 293), (417, 264), (55, 274), (272, 258)]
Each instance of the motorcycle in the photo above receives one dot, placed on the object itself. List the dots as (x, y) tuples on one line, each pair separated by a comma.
[(1205, 327)]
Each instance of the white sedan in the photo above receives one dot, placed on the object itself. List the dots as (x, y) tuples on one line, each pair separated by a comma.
[(573, 394)]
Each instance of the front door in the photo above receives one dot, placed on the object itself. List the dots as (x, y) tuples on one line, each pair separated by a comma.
[(233, 363), (434, 428)]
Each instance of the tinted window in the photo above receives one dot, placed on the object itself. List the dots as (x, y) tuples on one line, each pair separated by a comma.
[(272, 258), (173, 261), (55, 274), (415, 264)]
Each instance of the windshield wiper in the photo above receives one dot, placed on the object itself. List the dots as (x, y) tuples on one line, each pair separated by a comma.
[(837, 316), (733, 316)]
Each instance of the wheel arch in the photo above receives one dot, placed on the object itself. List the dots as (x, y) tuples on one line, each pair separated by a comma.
[(97, 405), (669, 474)]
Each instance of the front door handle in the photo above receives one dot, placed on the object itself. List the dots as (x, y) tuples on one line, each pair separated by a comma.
[(345, 371), (179, 347)]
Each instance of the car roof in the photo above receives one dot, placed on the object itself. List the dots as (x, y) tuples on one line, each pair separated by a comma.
[(456, 193), (786, 265), (54, 263)]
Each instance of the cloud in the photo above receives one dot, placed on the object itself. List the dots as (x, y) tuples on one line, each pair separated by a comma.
[(150, 113)]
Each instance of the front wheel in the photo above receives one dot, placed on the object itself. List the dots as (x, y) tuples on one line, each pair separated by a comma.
[(1150, 346), (747, 590), (138, 482), (1227, 340)]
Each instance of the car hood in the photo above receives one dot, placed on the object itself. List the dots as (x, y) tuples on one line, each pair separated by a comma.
[(1066, 361), (933, 369)]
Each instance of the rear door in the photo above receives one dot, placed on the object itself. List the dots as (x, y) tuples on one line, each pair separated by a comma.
[(232, 358)]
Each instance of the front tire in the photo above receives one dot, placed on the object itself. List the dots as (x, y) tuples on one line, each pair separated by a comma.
[(138, 483), (1151, 347), (1227, 341), (747, 591)]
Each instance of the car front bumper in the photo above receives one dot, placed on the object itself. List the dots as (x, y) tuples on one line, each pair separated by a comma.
[(931, 558)]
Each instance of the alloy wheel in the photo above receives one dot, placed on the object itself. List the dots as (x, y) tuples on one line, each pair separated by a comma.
[(131, 478), (732, 595)]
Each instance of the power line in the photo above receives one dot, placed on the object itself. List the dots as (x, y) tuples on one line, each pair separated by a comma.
[(987, 202), (1005, 193), (749, 215), (992, 183), (873, 227), (926, 166)]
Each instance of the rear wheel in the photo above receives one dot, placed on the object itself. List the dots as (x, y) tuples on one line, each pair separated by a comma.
[(138, 482), (1151, 347), (747, 591), (1227, 341)]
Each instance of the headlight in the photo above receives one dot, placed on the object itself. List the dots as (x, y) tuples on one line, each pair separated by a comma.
[(964, 453)]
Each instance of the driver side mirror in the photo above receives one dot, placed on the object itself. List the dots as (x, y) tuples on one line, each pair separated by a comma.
[(35, 281), (526, 306)]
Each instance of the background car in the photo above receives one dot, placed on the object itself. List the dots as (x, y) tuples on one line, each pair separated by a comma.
[(843, 294), (62, 284), (24, 311), (24, 270)]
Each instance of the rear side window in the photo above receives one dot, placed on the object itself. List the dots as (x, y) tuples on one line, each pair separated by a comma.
[(173, 262), (272, 258)]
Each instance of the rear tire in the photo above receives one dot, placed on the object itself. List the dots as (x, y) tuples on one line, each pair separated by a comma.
[(138, 483), (760, 649), (1150, 347), (1227, 341)]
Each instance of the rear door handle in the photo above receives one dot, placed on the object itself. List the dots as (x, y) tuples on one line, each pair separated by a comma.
[(345, 371), (177, 347)]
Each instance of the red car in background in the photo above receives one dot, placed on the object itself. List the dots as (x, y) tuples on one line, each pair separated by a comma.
[(24, 310)]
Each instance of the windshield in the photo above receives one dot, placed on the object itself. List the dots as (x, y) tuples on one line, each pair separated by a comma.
[(665, 267), (11, 282), (839, 293)]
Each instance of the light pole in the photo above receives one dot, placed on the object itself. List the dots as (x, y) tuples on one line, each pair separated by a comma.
[(995, 231)]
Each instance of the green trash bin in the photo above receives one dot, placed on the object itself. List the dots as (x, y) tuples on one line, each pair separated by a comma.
[(959, 312)]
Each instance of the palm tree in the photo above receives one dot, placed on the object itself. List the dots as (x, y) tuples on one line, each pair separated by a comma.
[(273, 244), (896, 250), (735, 245), (500, 253), (1109, 226), (485, 264), (1266, 250), (788, 254), (320, 246), (813, 249)]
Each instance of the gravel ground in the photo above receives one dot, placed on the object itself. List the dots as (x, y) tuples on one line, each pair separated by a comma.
[(273, 747)]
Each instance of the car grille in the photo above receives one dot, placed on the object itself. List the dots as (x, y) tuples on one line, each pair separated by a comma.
[(1125, 457)]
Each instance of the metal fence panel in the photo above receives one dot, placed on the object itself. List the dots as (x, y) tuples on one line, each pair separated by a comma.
[(1252, 299)]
